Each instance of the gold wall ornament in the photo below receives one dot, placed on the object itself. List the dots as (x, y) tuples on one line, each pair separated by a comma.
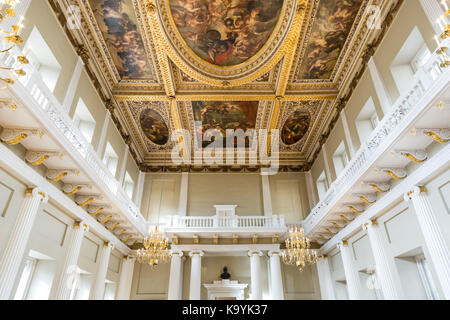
[(378, 186), (367, 198), (349, 217), (71, 189), (7, 103), (95, 210), (83, 200), (396, 173), (57, 174), (196, 239), (255, 239), (332, 230), (356, 208), (417, 156), (235, 239), (104, 219), (338, 223), (438, 135), (36, 158), (13, 136)]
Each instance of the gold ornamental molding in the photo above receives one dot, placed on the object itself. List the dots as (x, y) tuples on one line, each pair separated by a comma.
[(159, 14), (57, 174), (37, 158), (13, 136)]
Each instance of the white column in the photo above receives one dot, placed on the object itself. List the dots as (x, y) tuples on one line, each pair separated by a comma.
[(196, 275), (310, 189), (98, 288), (433, 11), (276, 279), (380, 88), (327, 165), (326, 283), (126, 278), (348, 135), (73, 85), (351, 274), (123, 167), (182, 204), (63, 284), (17, 243), (102, 140), (267, 200), (385, 267), (139, 189), (255, 273), (434, 238), (176, 276)]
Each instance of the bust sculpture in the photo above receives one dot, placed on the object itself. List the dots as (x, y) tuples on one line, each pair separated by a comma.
[(225, 275)]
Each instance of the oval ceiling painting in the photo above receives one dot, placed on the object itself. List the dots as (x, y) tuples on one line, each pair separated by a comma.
[(154, 127), (295, 127), (226, 32)]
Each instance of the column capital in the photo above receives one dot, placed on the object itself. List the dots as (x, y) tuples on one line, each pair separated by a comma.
[(129, 258), (81, 224), (178, 253), (342, 244), (324, 257), (196, 253), (38, 193), (370, 223), (272, 253), (255, 252), (415, 191), (108, 244)]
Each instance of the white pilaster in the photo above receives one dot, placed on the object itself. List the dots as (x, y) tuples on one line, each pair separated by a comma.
[(276, 279), (310, 189), (267, 200), (326, 283), (73, 85), (17, 243), (182, 204), (196, 275), (351, 274), (255, 273), (139, 189), (123, 167), (102, 140), (433, 11), (385, 268), (434, 238), (62, 286), (348, 135), (176, 276), (98, 288), (380, 88), (327, 165), (126, 278)]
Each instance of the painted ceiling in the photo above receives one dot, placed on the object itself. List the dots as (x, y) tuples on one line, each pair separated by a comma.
[(164, 65)]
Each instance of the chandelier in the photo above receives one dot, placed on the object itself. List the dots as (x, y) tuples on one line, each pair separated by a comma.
[(442, 49), (298, 250), (10, 39), (156, 249)]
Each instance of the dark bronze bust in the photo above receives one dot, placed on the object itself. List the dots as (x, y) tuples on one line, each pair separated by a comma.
[(225, 275)]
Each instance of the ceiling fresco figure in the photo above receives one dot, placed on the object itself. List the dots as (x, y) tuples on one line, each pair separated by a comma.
[(154, 127), (331, 28), (118, 23), (224, 116), (295, 127), (226, 32)]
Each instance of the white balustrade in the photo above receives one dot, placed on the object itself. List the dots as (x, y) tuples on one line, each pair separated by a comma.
[(430, 74), (226, 222), (42, 96)]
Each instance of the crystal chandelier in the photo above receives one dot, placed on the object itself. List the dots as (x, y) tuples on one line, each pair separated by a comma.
[(442, 50), (10, 39), (298, 250), (156, 249)]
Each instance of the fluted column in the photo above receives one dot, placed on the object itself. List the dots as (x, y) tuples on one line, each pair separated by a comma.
[(17, 243), (385, 269), (196, 275), (434, 238), (276, 279), (255, 273), (62, 285), (351, 274), (176, 276), (98, 288), (326, 284), (126, 277)]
